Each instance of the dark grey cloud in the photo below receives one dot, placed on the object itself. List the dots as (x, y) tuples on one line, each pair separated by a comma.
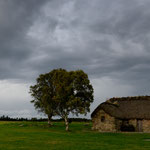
[(107, 39), (16, 17)]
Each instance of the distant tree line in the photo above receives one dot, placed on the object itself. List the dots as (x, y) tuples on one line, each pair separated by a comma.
[(7, 118)]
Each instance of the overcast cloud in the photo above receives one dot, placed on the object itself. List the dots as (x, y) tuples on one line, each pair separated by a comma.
[(109, 40)]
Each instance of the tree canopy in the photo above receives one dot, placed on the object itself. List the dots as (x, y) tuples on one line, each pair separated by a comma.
[(61, 92)]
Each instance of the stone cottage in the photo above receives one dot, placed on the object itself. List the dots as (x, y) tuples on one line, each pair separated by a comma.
[(123, 114)]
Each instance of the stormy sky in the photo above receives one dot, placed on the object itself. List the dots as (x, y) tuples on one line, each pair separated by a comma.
[(108, 39)]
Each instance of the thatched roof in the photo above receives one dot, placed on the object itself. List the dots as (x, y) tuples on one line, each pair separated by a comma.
[(126, 108)]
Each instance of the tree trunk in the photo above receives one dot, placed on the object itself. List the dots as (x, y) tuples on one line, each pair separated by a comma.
[(49, 120), (66, 123)]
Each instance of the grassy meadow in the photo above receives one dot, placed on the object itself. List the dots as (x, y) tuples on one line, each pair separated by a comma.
[(38, 136)]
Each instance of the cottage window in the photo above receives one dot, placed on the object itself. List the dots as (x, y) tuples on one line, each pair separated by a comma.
[(102, 118)]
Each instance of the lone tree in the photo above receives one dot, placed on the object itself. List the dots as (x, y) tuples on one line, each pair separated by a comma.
[(42, 94), (60, 92)]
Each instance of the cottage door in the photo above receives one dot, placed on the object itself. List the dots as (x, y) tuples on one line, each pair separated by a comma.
[(139, 125)]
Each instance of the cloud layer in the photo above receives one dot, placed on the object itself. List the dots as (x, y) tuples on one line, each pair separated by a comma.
[(109, 40)]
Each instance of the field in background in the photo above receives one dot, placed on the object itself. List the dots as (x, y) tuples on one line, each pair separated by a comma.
[(38, 136)]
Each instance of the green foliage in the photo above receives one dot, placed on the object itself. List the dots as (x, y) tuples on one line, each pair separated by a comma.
[(60, 92), (42, 93), (74, 93)]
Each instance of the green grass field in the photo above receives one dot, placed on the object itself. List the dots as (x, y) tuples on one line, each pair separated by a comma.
[(38, 136)]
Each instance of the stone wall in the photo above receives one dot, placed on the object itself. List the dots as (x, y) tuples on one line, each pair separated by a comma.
[(119, 123), (146, 125), (134, 123), (103, 122)]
